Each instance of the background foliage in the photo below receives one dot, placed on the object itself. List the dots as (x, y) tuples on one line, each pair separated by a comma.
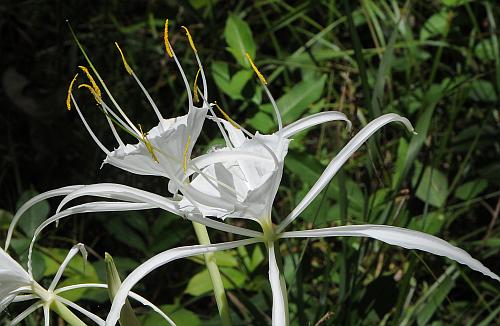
[(435, 62)]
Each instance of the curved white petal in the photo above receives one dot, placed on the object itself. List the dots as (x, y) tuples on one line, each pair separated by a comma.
[(73, 251), (160, 260), (339, 160), (25, 313), (41, 197), (93, 207), (96, 319), (405, 238), (46, 314), (133, 295), (313, 120), (279, 304), (122, 192)]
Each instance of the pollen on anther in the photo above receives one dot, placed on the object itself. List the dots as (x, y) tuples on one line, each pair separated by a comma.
[(92, 91), (196, 98), (125, 63), (91, 79), (190, 39), (226, 116), (148, 145), (70, 89), (165, 38), (254, 67), (185, 154)]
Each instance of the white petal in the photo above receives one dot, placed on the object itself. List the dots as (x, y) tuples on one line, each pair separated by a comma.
[(279, 303), (25, 313), (133, 295), (41, 197), (160, 260), (405, 238), (98, 320), (339, 160), (313, 120), (122, 192), (93, 207), (46, 314), (74, 250)]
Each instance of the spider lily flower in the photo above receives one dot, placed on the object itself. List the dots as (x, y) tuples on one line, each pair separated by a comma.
[(241, 181), (270, 236), (164, 150), (18, 285)]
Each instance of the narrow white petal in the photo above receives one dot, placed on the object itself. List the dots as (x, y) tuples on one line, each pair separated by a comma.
[(74, 250), (41, 197), (122, 192), (46, 314), (98, 320), (25, 313), (405, 238), (313, 120), (279, 305), (158, 261), (339, 160), (133, 295), (93, 207), (24, 297)]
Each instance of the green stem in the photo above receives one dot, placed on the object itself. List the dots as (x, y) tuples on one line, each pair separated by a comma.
[(215, 276), (66, 314)]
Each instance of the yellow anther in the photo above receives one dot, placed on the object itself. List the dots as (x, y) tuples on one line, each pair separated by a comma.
[(92, 91), (196, 98), (127, 67), (254, 67), (70, 89), (148, 145), (185, 156), (167, 43), (190, 39), (226, 116), (92, 81)]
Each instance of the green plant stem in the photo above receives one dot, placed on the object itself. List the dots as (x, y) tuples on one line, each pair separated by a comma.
[(66, 314), (215, 276)]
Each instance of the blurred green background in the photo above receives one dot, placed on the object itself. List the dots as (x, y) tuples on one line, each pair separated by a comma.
[(435, 62)]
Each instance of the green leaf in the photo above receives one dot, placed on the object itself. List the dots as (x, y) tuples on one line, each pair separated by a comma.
[(454, 3), (471, 189), (433, 187), (179, 315), (262, 122), (482, 90), (232, 86), (485, 50), (295, 102), (436, 25), (201, 283), (34, 216), (239, 39)]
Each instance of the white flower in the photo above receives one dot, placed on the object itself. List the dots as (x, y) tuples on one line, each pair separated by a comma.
[(164, 150), (18, 285), (240, 180)]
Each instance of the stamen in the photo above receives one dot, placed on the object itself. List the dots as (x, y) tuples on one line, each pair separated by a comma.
[(226, 116), (70, 89), (184, 158), (196, 98), (190, 39), (148, 145), (254, 67), (127, 67), (92, 81), (165, 38), (92, 91)]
